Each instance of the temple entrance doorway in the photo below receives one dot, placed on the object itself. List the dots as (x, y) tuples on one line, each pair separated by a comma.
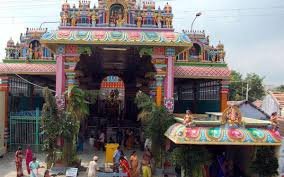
[(117, 74)]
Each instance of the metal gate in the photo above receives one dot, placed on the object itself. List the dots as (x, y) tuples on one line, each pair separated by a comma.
[(25, 129)]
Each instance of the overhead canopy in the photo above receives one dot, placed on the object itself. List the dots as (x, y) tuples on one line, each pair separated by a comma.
[(134, 37), (202, 72), (180, 134)]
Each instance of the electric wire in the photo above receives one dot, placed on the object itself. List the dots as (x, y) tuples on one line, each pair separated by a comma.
[(25, 80)]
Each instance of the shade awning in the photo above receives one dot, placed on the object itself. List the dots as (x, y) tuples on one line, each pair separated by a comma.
[(144, 38), (180, 134), (27, 68), (202, 72)]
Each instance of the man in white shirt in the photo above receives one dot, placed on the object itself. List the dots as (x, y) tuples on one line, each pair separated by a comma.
[(93, 167)]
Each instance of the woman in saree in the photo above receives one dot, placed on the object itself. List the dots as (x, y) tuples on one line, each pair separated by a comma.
[(146, 163), (125, 166), (29, 158), (19, 160), (134, 168), (34, 166)]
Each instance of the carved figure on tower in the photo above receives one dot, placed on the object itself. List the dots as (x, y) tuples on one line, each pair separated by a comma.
[(73, 19), (30, 51), (139, 21), (159, 19), (64, 19), (119, 21), (168, 22), (36, 51), (94, 18), (187, 119)]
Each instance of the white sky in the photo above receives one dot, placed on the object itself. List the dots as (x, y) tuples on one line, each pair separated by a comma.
[(251, 30)]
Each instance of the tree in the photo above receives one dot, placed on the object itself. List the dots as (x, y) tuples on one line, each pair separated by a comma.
[(238, 87), (50, 125), (156, 121), (191, 158), (77, 109), (265, 164), (256, 86), (279, 88)]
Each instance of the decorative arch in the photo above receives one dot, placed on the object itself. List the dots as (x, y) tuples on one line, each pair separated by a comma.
[(196, 49)]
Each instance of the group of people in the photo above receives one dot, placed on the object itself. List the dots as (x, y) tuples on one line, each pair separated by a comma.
[(127, 138), (130, 166), (32, 164)]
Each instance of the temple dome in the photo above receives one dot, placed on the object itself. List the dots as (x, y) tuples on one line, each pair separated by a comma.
[(220, 46), (65, 6), (10, 43), (168, 8)]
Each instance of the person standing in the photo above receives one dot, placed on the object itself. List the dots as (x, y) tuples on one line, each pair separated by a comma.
[(101, 140), (34, 166), (19, 160), (29, 158), (134, 168), (46, 173), (93, 165), (116, 157), (124, 166), (146, 163)]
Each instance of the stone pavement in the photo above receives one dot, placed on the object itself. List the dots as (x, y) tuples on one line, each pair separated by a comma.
[(8, 168)]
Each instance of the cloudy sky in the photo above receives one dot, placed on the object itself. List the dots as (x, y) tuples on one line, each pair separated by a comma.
[(251, 30)]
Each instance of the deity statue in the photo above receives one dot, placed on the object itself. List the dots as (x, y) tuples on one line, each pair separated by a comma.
[(159, 19), (232, 115), (94, 18), (221, 55), (187, 119), (119, 21), (39, 51), (30, 52), (139, 21), (274, 121), (64, 19), (73, 19), (169, 22), (36, 51)]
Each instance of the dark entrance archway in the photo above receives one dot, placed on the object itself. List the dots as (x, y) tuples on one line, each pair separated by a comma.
[(135, 71)]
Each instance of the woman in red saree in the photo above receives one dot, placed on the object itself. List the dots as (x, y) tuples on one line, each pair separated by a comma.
[(29, 158), (19, 160), (125, 166)]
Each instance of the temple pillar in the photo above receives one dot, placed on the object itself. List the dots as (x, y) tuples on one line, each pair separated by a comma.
[(4, 129), (224, 93), (159, 90), (60, 73), (169, 88)]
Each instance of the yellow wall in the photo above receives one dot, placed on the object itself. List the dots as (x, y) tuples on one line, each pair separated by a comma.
[(2, 118)]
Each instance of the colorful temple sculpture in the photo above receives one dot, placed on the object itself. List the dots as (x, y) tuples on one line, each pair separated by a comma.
[(230, 138), (135, 42)]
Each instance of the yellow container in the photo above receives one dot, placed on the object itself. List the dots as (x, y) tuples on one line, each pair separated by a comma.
[(110, 149)]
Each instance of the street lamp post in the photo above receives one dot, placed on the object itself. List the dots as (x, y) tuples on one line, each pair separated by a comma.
[(196, 15)]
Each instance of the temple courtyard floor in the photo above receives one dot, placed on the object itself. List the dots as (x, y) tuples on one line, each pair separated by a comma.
[(8, 168)]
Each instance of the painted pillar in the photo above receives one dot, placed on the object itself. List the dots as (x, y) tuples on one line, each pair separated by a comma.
[(60, 74), (224, 93), (4, 129), (169, 92), (159, 93)]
